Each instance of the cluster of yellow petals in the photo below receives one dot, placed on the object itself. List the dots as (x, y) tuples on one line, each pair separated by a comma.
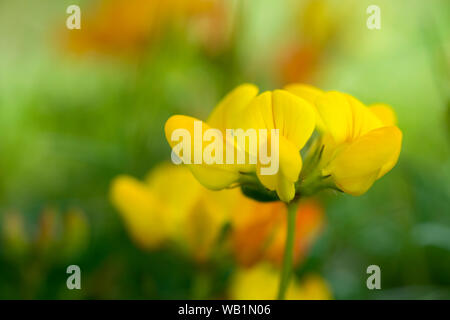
[(359, 144), (170, 206), (244, 109)]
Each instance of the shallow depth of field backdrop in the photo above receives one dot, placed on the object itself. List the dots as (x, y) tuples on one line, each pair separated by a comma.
[(80, 107)]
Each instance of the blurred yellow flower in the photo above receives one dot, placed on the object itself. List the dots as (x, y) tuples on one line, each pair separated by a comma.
[(261, 283), (170, 205), (317, 22), (244, 109), (140, 209), (259, 230)]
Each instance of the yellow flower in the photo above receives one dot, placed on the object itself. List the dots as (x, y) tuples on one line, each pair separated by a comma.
[(357, 144), (360, 143), (171, 206), (259, 230), (261, 283), (140, 209), (294, 117)]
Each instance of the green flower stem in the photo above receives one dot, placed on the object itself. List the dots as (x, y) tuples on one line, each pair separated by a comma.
[(288, 249)]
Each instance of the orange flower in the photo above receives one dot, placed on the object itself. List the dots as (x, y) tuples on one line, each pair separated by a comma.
[(298, 63), (314, 30), (130, 26), (118, 25), (259, 230)]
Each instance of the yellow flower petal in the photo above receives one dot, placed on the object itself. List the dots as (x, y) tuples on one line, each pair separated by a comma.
[(228, 112), (177, 189), (385, 113), (268, 181), (290, 159), (310, 94), (212, 176), (394, 156), (345, 117), (285, 189), (259, 113), (307, 92), (294, 117), (172, 205), (194, 215), (361, 162), (141, 210), (290, 165), (336, 114), (204, 222)]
